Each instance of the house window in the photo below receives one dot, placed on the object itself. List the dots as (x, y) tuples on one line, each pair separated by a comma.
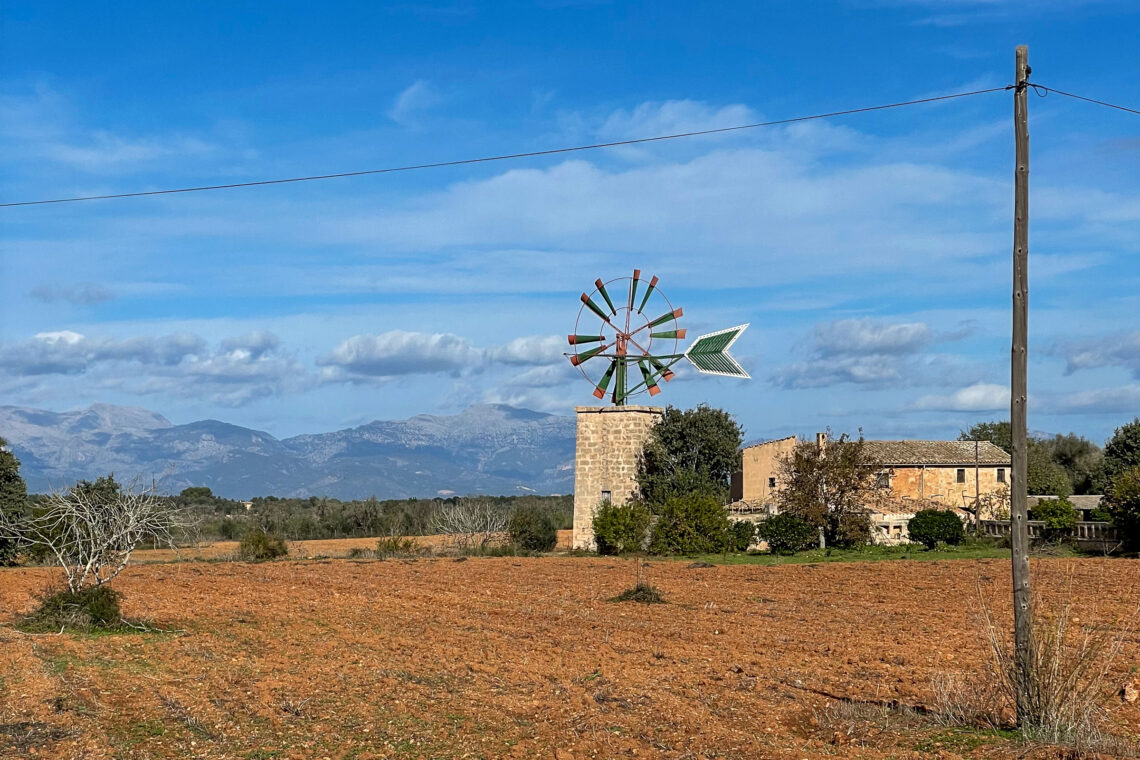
[(771, 482), (961, 475), (883, 480), (606, 496), (1001, 475)]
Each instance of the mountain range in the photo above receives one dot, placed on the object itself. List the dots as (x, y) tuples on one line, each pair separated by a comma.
[(487, 449)]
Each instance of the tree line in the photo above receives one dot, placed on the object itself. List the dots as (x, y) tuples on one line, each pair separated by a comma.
[(687, 462)]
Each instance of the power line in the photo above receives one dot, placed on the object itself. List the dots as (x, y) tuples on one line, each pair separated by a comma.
[(1082, 97), (507, 157)]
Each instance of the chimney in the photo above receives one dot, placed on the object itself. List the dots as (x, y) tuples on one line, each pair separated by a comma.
[(821, 441)]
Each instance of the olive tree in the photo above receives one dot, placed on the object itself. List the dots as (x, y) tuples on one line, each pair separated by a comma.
[(693, 451)]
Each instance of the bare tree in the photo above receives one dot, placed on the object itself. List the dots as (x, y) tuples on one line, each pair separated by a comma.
[(471, 524), (92, 530)]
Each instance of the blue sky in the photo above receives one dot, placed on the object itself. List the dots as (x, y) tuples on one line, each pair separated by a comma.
[(870, 253)]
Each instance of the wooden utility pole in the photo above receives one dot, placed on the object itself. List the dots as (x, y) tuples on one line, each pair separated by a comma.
[(977, 494), (1019, 530)]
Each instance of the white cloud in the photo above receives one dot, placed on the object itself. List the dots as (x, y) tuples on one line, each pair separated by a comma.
[(673, 117), (980, 397), (398, 352), (1122, 400), (80, 294), (241, 369), (103, 150), (854, 337), (395, 353), (1106, 351), (858, 351), (413, 101)]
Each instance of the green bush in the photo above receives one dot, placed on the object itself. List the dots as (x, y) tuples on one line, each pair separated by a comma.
[(693, 524), (1059, 517), (398, 546), (257, 545), (931, 526), (95, 607), (620, 529), (533, 529), (1123, 500), (787, 534), (741, 535)]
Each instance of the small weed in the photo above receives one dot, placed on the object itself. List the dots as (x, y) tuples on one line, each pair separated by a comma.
[(643, 593), (296, 709), (146, 729)]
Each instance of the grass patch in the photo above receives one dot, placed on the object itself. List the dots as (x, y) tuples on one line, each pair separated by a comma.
[(642, 593), (971, 550), (963, 740)]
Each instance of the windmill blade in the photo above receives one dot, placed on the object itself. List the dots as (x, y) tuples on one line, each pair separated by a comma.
[(601, 286), (577, 359), (675, 314), (649, 292), (594, 308), (604, 383), (666, 373), (633, 288), (646, 375), (574, 340), (668, 334), (709, 353)]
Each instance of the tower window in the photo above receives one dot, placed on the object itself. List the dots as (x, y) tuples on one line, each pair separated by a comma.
[(771, 482)]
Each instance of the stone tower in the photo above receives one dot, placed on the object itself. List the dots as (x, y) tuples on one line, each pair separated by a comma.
[(609, 443)]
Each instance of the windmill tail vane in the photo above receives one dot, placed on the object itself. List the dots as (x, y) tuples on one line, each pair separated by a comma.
[(638, 340)]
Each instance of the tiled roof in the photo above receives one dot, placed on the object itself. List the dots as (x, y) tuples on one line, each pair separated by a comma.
[(936, 453)]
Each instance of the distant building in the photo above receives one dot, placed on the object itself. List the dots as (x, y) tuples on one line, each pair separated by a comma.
[(950, 473), (911, 475)]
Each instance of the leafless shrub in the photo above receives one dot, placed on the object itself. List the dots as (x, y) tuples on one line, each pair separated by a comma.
[(91, 534), (857, 723), (971, 700), (1067, 689), (471, 524)]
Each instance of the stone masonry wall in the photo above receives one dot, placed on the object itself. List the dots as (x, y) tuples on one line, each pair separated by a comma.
[(609, 442)]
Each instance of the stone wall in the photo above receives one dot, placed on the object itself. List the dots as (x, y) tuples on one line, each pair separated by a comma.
[(940, 483), (758, 480), (609, 443)]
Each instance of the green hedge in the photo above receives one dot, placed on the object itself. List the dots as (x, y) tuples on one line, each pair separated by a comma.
[(929, 527)]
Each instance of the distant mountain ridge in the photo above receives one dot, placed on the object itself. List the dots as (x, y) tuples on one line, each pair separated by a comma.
[(490, 449)]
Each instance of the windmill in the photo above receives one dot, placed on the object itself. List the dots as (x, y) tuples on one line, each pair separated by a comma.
[(637, 341)]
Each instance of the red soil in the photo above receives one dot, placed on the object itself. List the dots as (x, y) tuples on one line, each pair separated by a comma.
[(511, 657)]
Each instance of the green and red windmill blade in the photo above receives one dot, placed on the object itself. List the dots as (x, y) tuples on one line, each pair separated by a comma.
[(639, 338)]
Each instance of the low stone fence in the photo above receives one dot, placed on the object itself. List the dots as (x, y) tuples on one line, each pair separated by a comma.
[(1090, 535)]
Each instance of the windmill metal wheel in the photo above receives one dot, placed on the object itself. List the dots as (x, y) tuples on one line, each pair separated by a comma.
[(624, 347)]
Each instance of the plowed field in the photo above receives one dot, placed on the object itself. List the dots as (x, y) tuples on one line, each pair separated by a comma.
[(510, 657)]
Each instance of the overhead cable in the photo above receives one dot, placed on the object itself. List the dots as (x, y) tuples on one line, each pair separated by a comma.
[(507, 157)]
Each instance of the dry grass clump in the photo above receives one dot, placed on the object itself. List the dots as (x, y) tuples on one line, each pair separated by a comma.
[(856, 723), (1068, 685), (643, 593)]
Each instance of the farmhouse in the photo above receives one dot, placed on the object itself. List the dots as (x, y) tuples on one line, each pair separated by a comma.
[(911, 475)]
